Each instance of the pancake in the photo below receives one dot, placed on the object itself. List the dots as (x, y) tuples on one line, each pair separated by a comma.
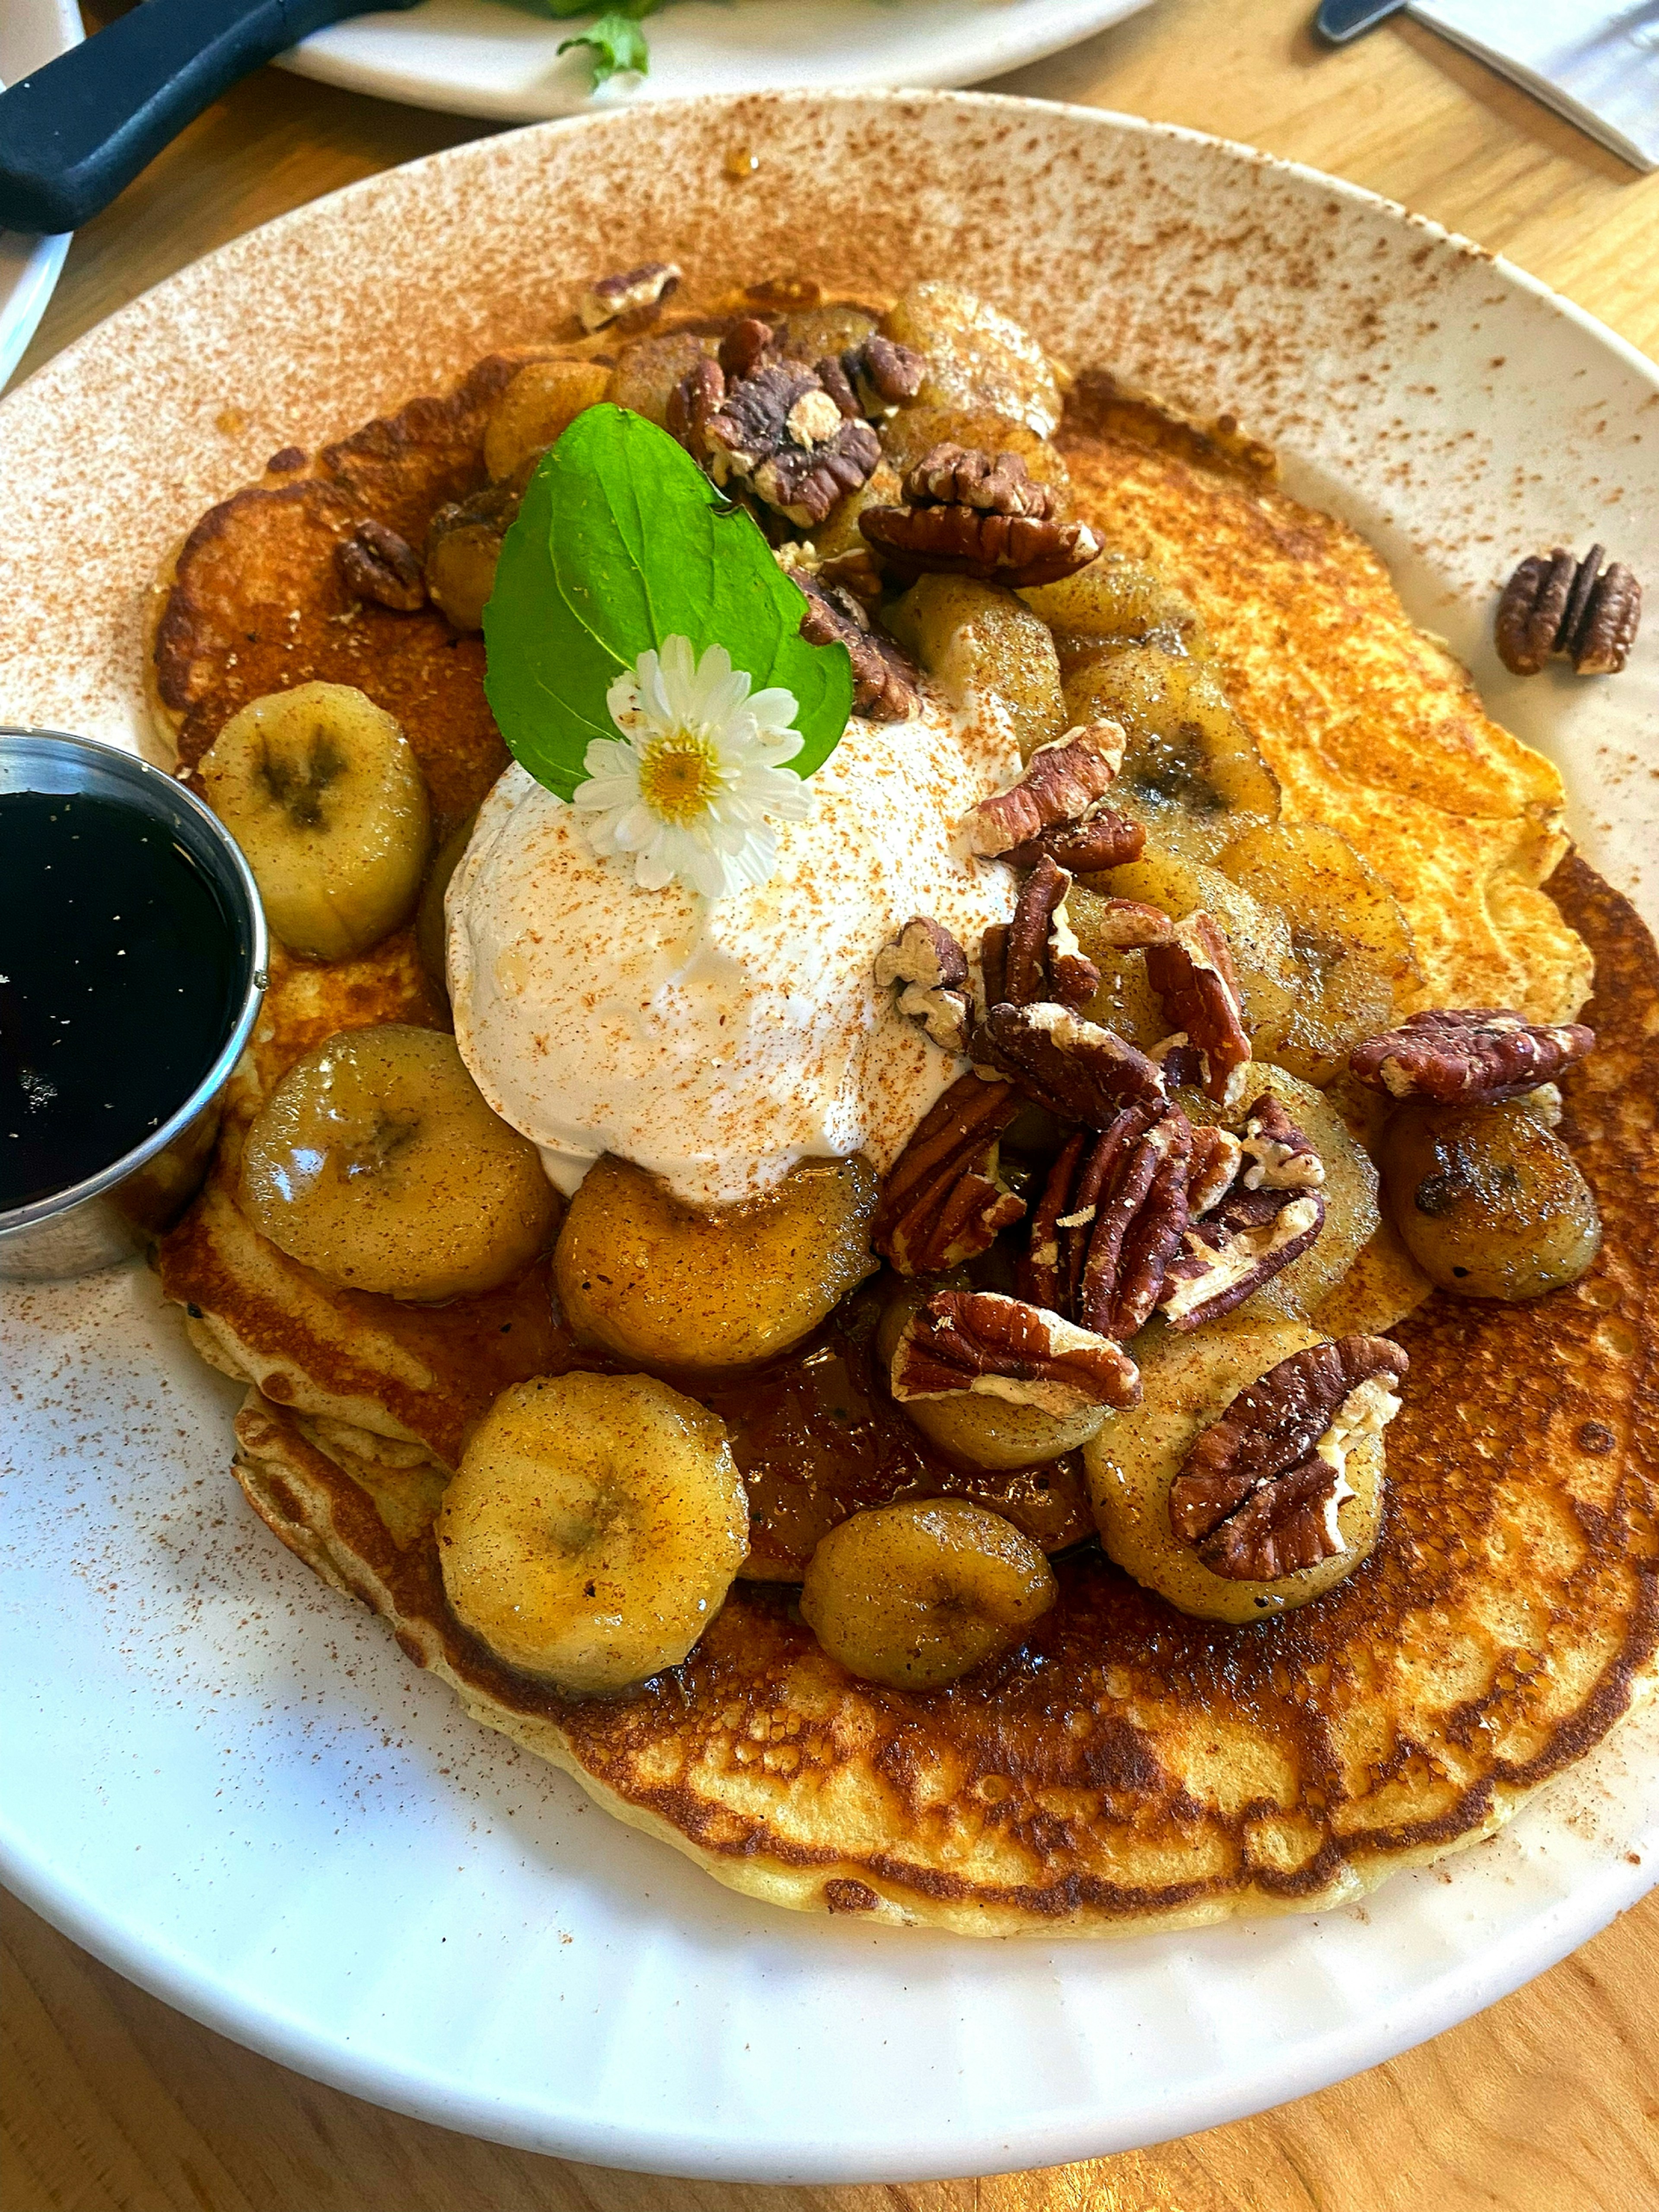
[(1128, 1766)]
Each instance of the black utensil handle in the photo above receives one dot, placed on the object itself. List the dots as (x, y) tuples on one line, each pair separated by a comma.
[(74, 132), (1339, 21)]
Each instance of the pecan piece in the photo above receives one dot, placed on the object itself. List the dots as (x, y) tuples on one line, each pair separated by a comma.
[(1078, 1070), (1110, 1220), (959, 475), (1468, 1055), (1238, 1239), (886, 686), (1218, 1157), (1560, 604), (376, 563), (1193, 974), (932, 970), (941, 1203), (963, 541), (1038, 958), (1259, 1495), (778, 431), (883, 373), (979, 1340), (647, 286), (745, 346), (1058, 785), (1102, 838)]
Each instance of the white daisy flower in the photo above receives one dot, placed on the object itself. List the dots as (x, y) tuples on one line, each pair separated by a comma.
[(694, 784)]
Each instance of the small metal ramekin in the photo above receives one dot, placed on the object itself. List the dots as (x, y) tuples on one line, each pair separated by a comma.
[(109, 1216)]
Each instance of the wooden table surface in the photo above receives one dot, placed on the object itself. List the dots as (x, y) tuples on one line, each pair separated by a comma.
[(1546, 2103)]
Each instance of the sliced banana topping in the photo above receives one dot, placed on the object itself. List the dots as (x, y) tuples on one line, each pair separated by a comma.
[(319, 787), (594, 1529), (915, 1595), (376, 1162)]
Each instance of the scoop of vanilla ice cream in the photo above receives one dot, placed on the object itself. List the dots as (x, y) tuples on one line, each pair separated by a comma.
[(718, 1045)]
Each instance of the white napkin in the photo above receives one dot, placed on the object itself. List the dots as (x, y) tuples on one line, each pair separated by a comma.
[(1596, 65)]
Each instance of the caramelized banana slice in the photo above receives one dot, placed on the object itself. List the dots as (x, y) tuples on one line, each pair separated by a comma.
[(376, 1161), (1115, 601), (914, 1596), (976, 356), (1349, 961), (320, 789), (594, 1529), (1187, 1382), (1191, 771), (649, 371), (537, 407), (987, 650), (982, 1430), (1489, 1202), (647, 1277)]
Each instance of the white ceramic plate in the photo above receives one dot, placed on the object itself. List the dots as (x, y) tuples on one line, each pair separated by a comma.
[(501, 58), (32, 34), (227, 1782)]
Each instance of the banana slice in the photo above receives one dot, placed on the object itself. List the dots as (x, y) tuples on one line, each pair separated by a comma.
[(376, 1161), (320, 789), (537, 407), (594, 1529), (649, 1279), (914, 1596), (1186, 1382)]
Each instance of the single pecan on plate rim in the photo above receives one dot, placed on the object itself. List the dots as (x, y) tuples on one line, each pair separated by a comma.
[(1557, 603), (1003, 1347), (1260, 1493), (930, 969), (629, 292), (942, 1202), (1109, 1221), (1469, 1055)]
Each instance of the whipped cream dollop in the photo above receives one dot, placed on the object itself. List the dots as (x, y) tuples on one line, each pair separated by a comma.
[(718, 1044)]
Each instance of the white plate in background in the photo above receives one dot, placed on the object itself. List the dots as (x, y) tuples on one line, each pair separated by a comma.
[(32, 34), (227, 1782), (501, 58)]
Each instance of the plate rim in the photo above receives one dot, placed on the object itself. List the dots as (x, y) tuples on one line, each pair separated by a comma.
[(1502, 1965)]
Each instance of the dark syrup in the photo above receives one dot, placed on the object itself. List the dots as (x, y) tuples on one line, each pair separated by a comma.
[(117, 973)]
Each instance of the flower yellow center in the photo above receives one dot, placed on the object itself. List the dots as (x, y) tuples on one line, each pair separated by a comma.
[(679, 775)]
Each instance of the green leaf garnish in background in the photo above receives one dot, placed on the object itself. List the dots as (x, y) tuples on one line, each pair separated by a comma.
[(617, 43), (622, 542)]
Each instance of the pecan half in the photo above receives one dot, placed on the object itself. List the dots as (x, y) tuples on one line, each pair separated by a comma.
[(376, 564), (1077, 1069), (1110, 1220), (1193, 974), (963, 541), (886, 686), (852, 571), (745, 346), (960, 476), (931, 968), (1238, 1239), (1002, 1347), (1036, 957), (1058, 785), (647, 286), (941, 1203), (1102, 838), (1560, 604), (777, 430), (1218, 1157), (1259, 1494), (1468, 1055), (883, 373)]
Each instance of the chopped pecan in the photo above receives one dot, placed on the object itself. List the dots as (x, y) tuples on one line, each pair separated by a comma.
[(932, 970), (1039, 958), (778, 430), (832, 375), (1102, 838), (1193, 974), (1268, 1215), (886, 686), (1259, 1495), (1218, 1157), (375, 563), (883, 373), (959, 475), (979, 1340), (1110, 1220), (963, 541), (1078, 1070), (693, 403), (854, 572), (1058, 785), (745, 345), (1468, 1055), (647, 286), (1560, 604), (941, 1203)]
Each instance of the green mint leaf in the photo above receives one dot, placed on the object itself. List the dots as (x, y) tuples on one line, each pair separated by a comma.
[(622, 543), (618, 43)]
